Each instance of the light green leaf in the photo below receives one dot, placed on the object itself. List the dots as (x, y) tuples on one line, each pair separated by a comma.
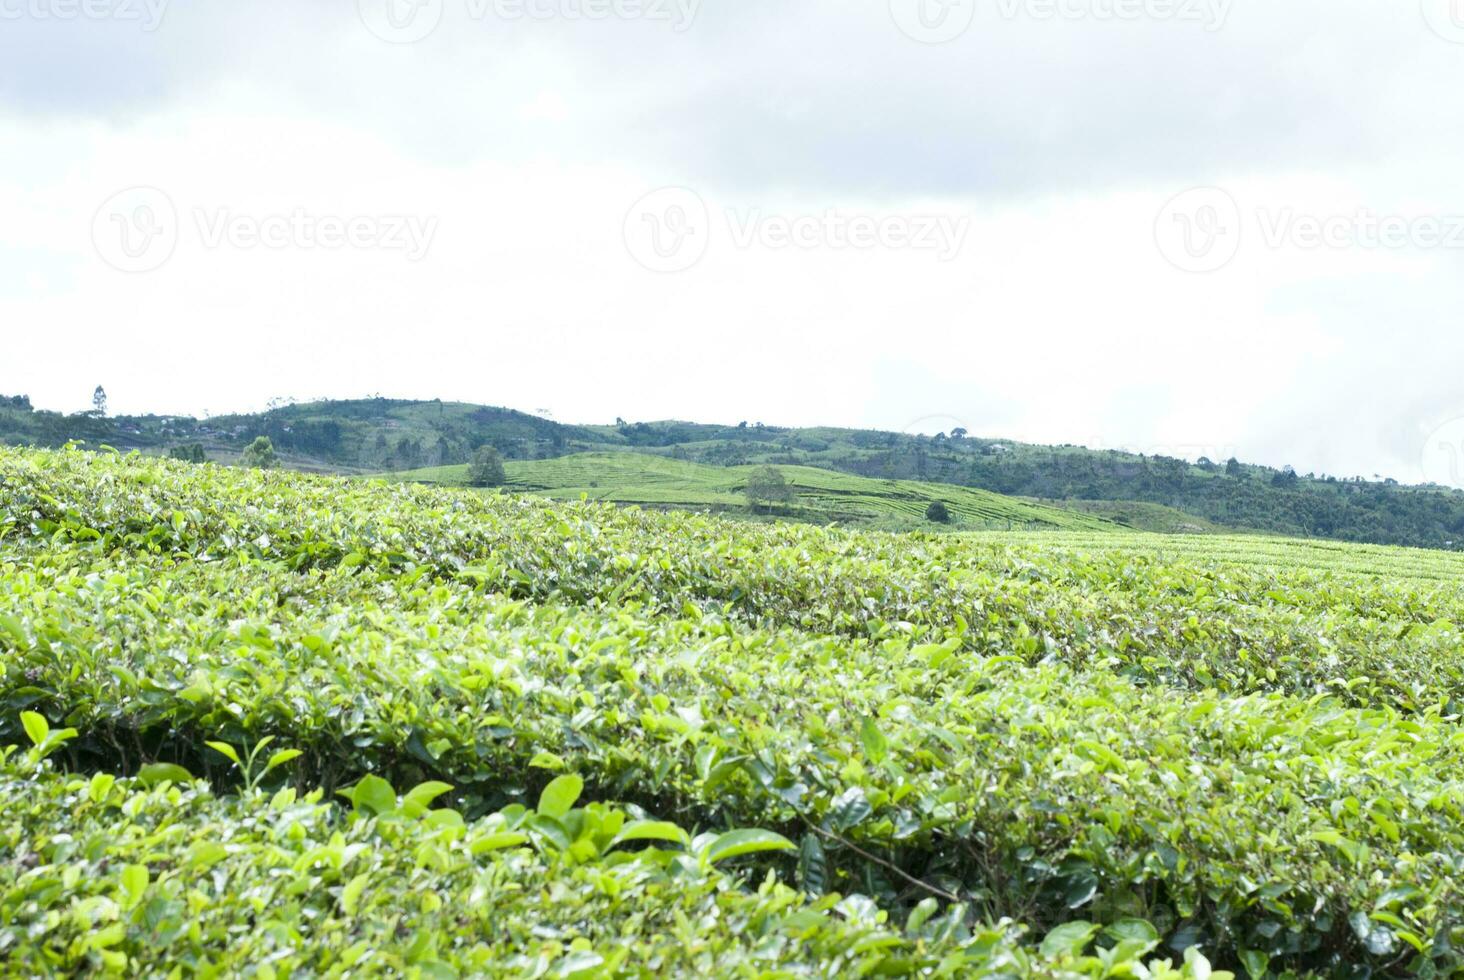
[(281, 757), (351, 894), (374, 795), (226, 750), (651, 830), (101, 784), (134, 885), (419, 800), (736, 843), (560, 795), (876, 746), (36, 727), (497, 842), (1068, 939), (163, 772)]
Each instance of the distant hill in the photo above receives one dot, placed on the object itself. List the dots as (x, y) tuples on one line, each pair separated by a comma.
[(820, 495), (385, 435)]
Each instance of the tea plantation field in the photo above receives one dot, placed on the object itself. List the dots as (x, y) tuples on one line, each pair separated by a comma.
[(820, 495), (277, 725)]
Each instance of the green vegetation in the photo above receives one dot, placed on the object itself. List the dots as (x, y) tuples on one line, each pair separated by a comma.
[(192, 453), (1130, 745), (766, 486), (486, 469), (259, 454), (799, 492), (1153, 492), (146, 876)]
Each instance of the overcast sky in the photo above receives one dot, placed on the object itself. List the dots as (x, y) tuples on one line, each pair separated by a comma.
[(1200, 227)]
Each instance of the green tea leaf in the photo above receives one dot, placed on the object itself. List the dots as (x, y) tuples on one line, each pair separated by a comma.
[(161, 772), (560, 795), (374, 795), (736, 843), (36, 727)]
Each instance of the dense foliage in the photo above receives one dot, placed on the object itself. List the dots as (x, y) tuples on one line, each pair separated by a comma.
[(1243, 744)]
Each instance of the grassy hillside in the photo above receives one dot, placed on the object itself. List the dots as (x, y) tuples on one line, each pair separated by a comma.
[(378, 435), (822, 495), (513, 736)]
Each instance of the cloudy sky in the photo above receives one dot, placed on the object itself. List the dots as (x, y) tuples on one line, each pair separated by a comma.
[(1201, 227)]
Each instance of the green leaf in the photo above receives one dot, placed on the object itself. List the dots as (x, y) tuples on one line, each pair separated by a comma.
[(12, 626), (876, 746), (560, 795), (419, 800), (651, 830), (1068, 939), (850, 809), (497, 842), (736, 843), (36, 727), (163, 772), (205, 854), (1255, 962), (281, 757), (351, 894), (374, 795), (134, 885), (1132, 930), (227, 751), (101, 784), (813, 865)]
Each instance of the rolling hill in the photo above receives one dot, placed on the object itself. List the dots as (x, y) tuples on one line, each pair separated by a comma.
[(378, 435), (821, 495)]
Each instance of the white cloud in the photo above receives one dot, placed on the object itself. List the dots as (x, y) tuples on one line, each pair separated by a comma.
[(527, 141)]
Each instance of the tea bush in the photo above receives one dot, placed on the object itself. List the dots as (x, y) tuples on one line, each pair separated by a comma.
[(1075, 733), (157, 876)]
